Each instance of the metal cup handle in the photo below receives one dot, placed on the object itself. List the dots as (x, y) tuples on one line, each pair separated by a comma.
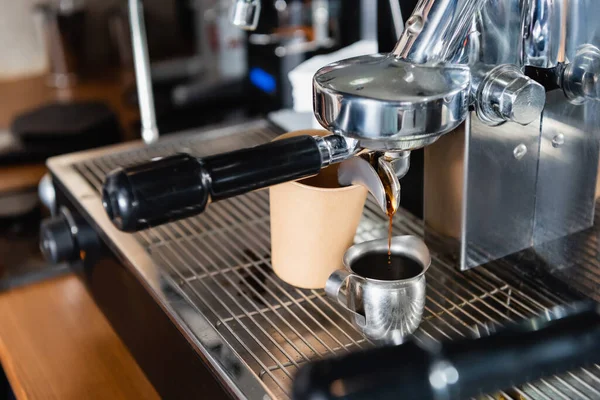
[(333, 289)]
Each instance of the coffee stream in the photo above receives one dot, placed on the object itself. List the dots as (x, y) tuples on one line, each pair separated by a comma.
[(391, 207)]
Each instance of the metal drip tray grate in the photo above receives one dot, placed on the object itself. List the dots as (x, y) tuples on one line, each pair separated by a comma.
[(220, 262)]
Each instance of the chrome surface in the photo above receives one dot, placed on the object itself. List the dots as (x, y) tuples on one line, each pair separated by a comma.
[(518, 186), (389, 104), (506, 94), (436, 30), (566, 182), (544, 33), (397, 19), (212, 275), (501, 166), (580, 80), (386, 312), (245, 14), (335, 149), (142, 71), (47, 193), (359, 171)]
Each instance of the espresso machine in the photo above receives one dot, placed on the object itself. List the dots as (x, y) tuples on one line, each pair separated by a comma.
[(173, 238)]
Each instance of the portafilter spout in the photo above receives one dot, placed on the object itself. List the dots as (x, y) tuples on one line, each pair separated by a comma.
[(380, 174)]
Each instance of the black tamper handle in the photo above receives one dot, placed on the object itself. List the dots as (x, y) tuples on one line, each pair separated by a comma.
[(180, 186), (458, 370)]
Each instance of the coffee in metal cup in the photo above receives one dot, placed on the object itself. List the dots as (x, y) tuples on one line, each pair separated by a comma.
[(386, 299)]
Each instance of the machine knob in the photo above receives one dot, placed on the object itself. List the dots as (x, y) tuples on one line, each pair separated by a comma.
[(68, 237), (56, 240), (581, 78), (506, 94)]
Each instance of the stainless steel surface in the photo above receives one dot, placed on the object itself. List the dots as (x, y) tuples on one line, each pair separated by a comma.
[(581, 76), (380, 174), (520, 186), (566, 181), (436, 30), (385, 311), (397, 19), (335, 148), (245, 14), (358, 171), (142, 71), (499, 190), (47, 193), (399, 161), (506, 94), (497, 33), (212, 275), (368, 20), (545, 32), (389, 104)]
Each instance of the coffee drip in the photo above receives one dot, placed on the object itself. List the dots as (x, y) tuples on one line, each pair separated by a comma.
[(391, 202)]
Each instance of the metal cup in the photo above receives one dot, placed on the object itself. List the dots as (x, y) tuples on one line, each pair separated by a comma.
[(385, 311)]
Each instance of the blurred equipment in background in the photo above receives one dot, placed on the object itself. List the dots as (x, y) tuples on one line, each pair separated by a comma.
[(59, 128), (63, 26), (53, 129), (288, 33), (16, 26)]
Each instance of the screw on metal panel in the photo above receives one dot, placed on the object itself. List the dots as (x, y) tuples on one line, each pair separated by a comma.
[(558, 140), (520, 151)]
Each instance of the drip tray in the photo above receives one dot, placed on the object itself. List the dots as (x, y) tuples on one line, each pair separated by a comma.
[(220, 264)]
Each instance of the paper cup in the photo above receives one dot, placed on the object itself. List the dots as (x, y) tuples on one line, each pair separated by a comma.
[(313, 223)]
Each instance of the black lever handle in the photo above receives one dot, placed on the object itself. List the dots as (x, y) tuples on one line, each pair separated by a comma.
[(182, 185), (461, 369)]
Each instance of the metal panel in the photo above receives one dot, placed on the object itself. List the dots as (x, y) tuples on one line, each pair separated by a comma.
[(568, 160), (500, 184)]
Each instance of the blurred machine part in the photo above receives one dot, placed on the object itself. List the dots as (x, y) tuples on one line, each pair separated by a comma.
[(288, 33), (63, 25), (301, 76)]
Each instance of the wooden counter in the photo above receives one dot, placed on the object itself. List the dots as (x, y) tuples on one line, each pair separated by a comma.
[(56, 344), (54, 341)]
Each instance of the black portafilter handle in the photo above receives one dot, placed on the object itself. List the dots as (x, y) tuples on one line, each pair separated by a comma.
[(180, 186), (461, 369)]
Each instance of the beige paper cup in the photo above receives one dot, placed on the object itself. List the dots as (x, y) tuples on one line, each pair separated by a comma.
[(313, 223)]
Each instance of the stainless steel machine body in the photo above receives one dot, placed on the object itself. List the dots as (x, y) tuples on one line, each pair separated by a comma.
[(529, 160), (526, 185), (211, 276)]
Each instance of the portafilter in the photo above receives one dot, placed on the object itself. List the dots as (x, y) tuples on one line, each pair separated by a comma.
[(379, 107)]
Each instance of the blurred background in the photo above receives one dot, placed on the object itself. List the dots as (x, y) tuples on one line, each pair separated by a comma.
[(67, 83)]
